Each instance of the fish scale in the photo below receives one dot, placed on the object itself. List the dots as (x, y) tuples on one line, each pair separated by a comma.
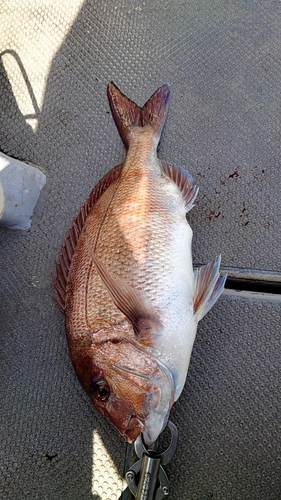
[(144, 264), (125, 279)]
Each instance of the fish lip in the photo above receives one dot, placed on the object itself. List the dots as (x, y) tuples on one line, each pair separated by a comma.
[(147, 437), (133, 430)]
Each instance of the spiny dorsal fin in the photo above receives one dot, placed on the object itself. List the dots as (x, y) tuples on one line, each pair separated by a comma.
[(127, 113), (183, 180), (209, 285), (131, 302), (71, 239)]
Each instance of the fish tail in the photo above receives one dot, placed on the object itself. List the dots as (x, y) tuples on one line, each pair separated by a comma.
[(128, 114)]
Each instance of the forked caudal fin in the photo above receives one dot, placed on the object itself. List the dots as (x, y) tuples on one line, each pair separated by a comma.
[(209, 285), (127, 113)]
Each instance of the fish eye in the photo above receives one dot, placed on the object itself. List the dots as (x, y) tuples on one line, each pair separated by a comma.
[(100, 389)]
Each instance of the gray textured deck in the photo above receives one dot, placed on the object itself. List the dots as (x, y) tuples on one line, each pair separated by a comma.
[(223, 61)]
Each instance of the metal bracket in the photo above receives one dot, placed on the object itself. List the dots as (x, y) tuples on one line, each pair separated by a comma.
[(146, 478)]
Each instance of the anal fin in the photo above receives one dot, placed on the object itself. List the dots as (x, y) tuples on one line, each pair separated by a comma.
[(209, 285)]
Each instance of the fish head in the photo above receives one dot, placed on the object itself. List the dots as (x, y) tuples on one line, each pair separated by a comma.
[(130, 388)]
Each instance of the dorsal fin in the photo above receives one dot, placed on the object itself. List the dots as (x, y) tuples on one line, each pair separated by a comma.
[(71, 239), (209, 285), (183, 179), (128, 114)]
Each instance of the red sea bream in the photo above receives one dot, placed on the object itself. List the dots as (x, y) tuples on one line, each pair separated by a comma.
[(125, 278)]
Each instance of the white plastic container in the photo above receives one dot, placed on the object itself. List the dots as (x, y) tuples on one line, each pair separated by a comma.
[(20, 186)]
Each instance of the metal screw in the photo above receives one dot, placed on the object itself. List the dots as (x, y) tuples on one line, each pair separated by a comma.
[(165, 490), (130, 476)]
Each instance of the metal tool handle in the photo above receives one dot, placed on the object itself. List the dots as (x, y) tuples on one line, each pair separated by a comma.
[(148, 477)]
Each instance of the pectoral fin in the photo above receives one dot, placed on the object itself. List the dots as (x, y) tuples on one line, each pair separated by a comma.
[(208, 287), (131, 302)]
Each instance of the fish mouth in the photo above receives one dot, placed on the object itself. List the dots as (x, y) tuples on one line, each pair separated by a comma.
[(149, 437), (135, 427), (151, 432), (156, 420), (155, 414)]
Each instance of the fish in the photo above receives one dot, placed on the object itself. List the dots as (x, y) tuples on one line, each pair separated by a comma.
[(125, 279)]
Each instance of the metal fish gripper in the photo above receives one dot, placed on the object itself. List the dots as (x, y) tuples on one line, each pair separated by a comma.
[(146, 478)]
